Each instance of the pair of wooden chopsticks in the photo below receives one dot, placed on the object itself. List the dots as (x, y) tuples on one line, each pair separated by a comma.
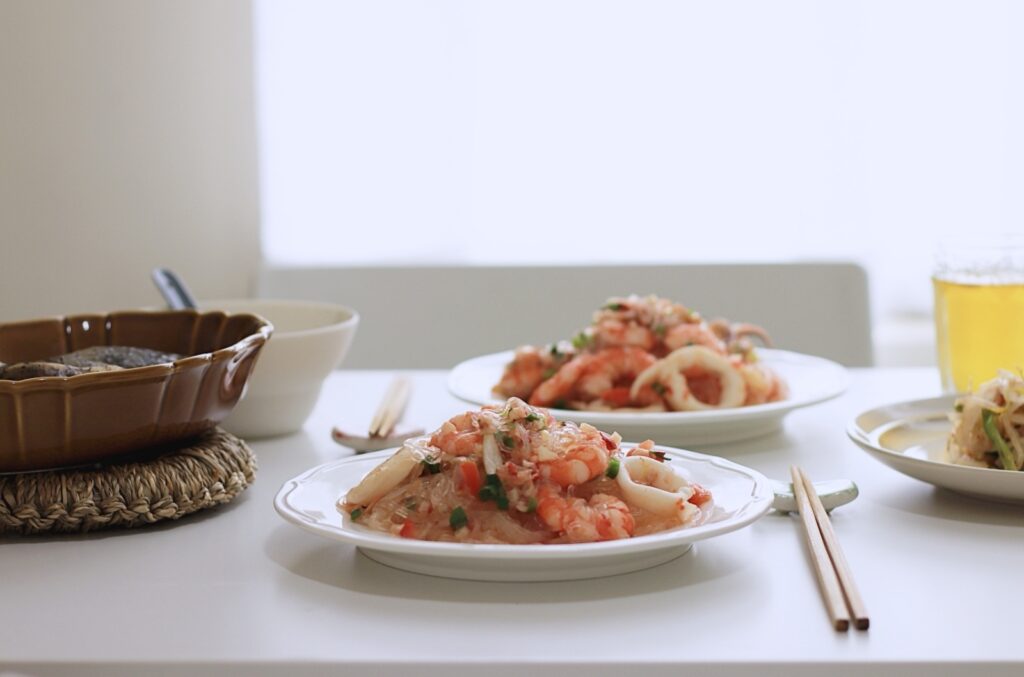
[(834, 576), (390, 409)]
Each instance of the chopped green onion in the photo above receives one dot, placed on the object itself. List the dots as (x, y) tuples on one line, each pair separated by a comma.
[(580, 341), (356, 514), (531, 505), (492, 490), (959, 407), (614, 306), (508, 440), (432, 467), (988, 422), (533, 418), (554, 349), (458, 518), (658, 388), (613, 468)]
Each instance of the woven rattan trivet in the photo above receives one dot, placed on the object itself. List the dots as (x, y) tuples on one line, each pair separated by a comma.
[(206, 472)]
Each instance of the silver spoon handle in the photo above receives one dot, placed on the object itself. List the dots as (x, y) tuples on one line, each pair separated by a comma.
[(173, 290)]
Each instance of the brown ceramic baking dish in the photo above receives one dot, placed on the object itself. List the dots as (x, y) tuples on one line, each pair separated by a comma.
[(58, 421)]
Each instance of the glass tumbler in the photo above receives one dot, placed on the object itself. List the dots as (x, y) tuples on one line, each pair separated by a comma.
[(979, 309)]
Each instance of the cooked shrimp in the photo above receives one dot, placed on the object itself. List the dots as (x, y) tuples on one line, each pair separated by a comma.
[(583, 458), (695, 334), (524, 373), (602, 518), (530, 366), (557, 389), (655, 487), (460, 436), (389, 474), (612, 367), (612, 332), (712, 382), (762, 383)]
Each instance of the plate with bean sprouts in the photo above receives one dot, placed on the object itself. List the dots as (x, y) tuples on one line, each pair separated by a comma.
[(971, 443)]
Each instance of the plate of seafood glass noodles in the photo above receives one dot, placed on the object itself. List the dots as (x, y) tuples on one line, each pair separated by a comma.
[(809, 380), (509, 493), (963, 443), (647, 366)]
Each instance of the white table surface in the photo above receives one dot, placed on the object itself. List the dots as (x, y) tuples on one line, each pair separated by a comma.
[(239, 591)]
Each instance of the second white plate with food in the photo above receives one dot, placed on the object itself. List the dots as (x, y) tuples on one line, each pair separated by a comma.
[(811, 380), (910, 437), (741, 496)]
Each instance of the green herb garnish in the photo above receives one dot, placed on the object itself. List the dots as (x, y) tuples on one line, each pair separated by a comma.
[(458, 518), (988, 422), (432, 467), (493, 490), (531, 505), (580, 341), (356, 514), (613, 468), (507, 440), (658, 388), (613, 306), (533, 418)]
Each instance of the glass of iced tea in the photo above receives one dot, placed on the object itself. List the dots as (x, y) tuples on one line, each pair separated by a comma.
[(979, 309)]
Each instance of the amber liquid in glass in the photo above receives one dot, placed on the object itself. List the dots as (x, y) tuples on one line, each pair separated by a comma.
[(979, 330)]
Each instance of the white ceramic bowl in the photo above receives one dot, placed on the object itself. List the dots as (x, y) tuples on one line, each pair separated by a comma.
[(310, 339)]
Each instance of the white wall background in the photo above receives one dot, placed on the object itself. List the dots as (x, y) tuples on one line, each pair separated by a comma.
[(648, 131), (127, 141)]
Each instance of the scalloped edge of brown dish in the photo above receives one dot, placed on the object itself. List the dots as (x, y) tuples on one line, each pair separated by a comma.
[(59, 421)]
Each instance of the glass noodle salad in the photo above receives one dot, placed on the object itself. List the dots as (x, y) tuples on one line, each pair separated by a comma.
[(646, 354), (988, 425), (512, 474)]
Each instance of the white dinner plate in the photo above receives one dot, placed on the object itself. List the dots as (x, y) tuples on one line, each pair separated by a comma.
[(911, 437), (741, 495), (811, 380)]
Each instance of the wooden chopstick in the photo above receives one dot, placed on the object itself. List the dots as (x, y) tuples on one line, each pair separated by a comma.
[(854, 603), (834, 576), (390, 409)]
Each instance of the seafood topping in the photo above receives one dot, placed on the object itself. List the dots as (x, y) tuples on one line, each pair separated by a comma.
[(511, 473), (988, 425), (646, 354)]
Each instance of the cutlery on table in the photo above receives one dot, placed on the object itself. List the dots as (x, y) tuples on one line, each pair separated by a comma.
[(840, 593), (381, 433), (173, 289)]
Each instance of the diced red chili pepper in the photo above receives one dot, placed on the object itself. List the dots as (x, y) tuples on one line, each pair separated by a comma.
[(408, 529), (471, 477)]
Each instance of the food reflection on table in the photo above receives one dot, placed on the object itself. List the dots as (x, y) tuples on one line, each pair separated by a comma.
[(646, 354), (988, 425), (510, 473)]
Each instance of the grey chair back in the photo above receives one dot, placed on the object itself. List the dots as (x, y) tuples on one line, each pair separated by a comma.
[(437, 316)]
